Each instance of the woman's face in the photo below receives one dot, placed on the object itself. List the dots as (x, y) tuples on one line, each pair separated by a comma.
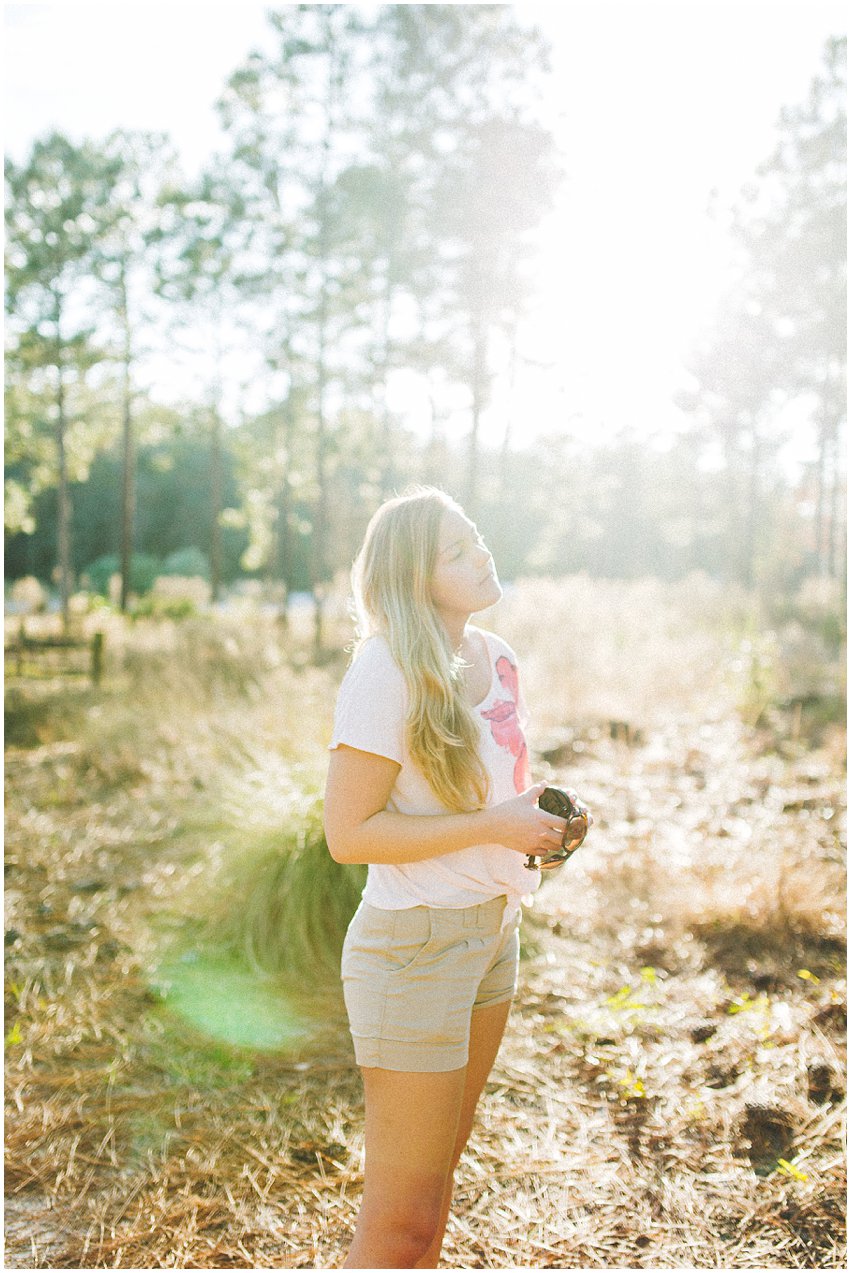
[(464, 578)]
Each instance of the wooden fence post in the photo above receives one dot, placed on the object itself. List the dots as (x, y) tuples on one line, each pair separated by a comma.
[(97, 658)]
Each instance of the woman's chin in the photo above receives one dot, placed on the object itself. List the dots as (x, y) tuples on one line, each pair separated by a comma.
[(493, 592)]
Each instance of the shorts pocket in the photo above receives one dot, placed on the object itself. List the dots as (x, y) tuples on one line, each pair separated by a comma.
[(410, 939), (402, 956), (387, 942)]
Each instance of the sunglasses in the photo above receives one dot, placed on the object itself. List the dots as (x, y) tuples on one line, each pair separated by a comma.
[(562, 804)]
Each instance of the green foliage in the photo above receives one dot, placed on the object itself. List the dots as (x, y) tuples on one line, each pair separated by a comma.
[(818, 606), (409, 258), (187, 561), (48, 216), (623, 1001), (55, 208), (173, 515), (759, 663), (151, 607), (283, 902), (34, 717), (143, 571)]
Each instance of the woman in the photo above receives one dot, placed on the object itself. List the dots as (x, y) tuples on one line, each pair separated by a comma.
[(429, 784)]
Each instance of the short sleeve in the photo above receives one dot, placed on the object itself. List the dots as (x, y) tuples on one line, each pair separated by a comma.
[(371, 704)]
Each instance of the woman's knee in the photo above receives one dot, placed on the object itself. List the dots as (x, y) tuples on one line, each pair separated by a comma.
[(408, 1225)]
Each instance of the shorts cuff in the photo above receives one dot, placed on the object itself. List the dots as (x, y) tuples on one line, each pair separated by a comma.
[(421, 1058), (506, 996)]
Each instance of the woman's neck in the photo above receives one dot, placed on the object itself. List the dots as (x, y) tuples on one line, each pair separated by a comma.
[(456, 629)]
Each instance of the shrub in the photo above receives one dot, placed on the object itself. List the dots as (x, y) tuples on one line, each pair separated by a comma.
[(174, 597), (143, 571), (275, 899), (187, 563)]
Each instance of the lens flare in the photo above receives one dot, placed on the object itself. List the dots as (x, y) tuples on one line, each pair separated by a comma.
[(230, 1004)]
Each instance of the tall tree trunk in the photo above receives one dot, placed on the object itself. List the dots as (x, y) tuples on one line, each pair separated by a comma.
[(128, 485), (285, 550), (699, 513), (320, 524), (281, 554), (822, 500), (504, 491), (435, 460), (216, 481), (215, 499), (827, 477), (749, 538), (388, 472), (471, 496), (833, 502), (63, 546), (733, 546)]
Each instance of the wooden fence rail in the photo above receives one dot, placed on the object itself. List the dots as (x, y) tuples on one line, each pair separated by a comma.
[(28, 654)]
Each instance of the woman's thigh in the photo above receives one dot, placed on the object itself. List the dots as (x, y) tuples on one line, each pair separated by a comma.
[(487, 1027), (412, 1120)]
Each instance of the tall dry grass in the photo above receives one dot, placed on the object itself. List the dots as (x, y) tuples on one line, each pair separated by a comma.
[(642, 651), (595, 650), (224, 719), (679, 1027)]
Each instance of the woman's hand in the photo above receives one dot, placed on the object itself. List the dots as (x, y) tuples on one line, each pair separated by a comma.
[(577, 830), (520, 825)]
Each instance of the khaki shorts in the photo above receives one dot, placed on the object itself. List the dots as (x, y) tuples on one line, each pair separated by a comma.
[(412, 978)]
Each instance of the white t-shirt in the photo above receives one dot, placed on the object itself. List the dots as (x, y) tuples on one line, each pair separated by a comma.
[(370, 715)]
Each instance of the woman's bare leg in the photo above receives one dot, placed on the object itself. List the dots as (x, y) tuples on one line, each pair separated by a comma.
[(411, 1130), (486, 1030)]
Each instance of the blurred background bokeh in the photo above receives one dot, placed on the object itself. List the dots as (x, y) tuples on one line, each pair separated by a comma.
[(426, 245)]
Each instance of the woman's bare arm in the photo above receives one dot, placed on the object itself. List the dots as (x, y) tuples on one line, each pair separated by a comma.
[(359, 827)]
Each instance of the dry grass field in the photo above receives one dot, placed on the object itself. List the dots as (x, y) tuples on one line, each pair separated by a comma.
[(181, 1091)]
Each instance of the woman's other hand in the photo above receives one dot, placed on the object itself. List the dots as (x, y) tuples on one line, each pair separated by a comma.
[(520, 825)]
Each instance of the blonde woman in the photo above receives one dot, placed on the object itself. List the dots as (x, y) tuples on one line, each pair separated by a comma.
[(429, 784)]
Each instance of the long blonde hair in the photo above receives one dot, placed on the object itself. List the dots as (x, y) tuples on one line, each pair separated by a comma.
[(390, 581)]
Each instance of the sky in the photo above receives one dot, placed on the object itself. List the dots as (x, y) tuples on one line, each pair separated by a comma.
[(654, 106)]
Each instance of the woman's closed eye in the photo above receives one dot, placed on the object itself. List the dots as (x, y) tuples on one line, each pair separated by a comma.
[(459, 551), (473, 543)]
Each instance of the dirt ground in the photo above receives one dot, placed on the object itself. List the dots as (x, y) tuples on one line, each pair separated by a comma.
[(670, 1091)]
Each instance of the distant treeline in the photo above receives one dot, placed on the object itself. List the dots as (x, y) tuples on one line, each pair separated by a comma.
[(617, 511), (373, 211)]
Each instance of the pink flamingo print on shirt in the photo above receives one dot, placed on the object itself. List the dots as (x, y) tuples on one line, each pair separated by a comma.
[(504, 723)]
